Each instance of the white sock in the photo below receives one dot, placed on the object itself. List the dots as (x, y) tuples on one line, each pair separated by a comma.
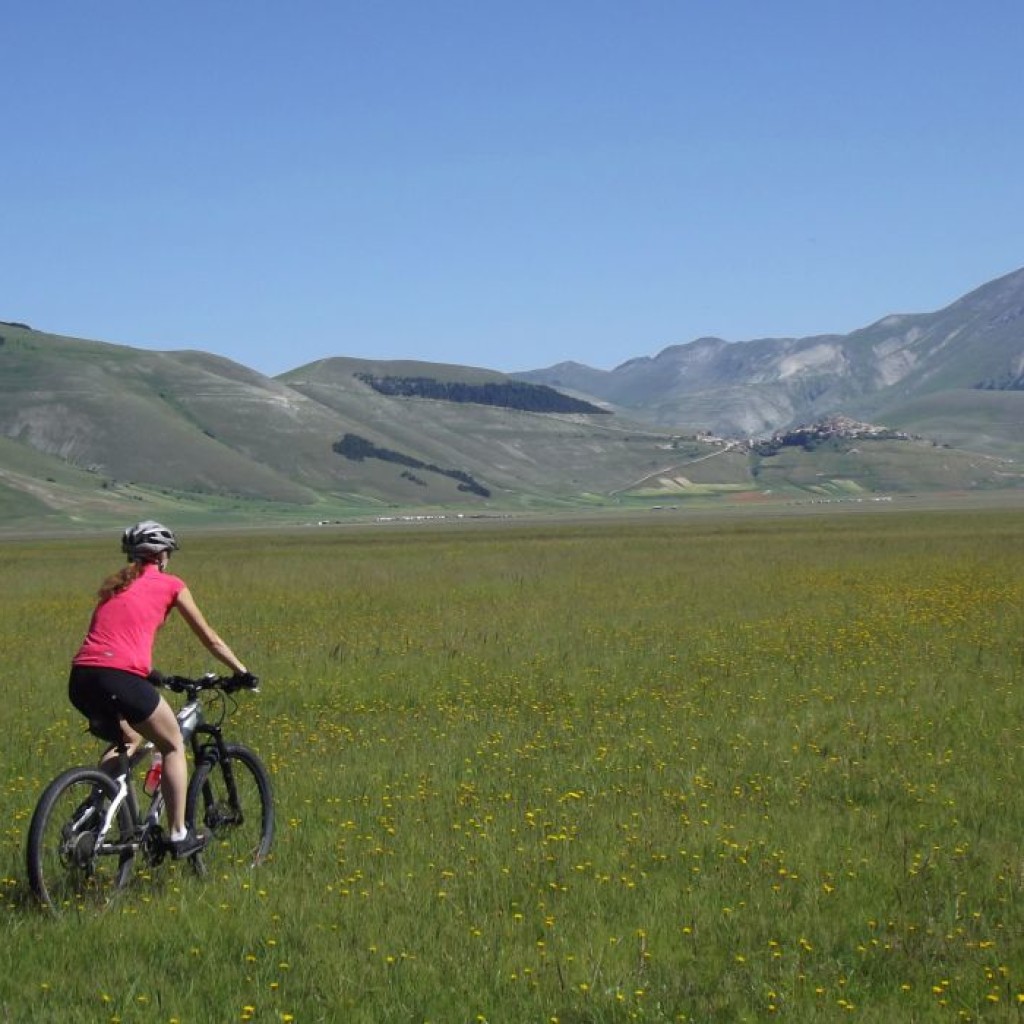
[(177, 836)]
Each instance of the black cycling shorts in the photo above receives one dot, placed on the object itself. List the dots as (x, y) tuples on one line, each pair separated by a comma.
[(101, 692)]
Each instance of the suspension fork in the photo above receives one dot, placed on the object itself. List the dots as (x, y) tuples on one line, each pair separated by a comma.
[(211, 749)]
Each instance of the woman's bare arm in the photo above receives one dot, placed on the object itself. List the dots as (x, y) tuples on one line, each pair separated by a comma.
[(207, 636)]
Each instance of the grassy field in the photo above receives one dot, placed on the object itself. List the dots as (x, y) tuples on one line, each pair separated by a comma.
[(683, 770)]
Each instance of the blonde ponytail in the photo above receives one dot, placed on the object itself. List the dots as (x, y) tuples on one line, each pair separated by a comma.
[(119, 581)]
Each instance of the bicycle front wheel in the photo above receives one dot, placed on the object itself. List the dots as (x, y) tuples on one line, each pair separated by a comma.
[(70, 863), (232, 800)]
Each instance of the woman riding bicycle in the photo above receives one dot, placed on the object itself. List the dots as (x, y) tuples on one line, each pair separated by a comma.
[(109, 672)]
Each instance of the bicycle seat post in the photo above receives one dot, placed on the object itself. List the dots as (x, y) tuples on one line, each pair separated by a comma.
[(124, 761), (109, 729)]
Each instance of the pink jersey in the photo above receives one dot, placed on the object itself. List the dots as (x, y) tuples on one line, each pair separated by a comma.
[(123, 627)]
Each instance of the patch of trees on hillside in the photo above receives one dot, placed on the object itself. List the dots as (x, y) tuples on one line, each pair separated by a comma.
[(1008, 382), (357, 448), (511, 394)]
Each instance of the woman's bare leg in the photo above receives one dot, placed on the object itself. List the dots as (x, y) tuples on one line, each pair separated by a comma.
[(162, 728)]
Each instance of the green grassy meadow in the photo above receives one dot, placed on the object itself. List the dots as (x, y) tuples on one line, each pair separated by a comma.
[(677, 770)]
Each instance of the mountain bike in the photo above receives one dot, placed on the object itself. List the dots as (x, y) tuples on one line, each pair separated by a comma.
[(89, 828)]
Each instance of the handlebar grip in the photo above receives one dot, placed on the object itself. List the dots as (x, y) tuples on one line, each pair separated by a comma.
[(245, 681)]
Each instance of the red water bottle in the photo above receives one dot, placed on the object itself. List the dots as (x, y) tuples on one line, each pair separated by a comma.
[(156, 769)]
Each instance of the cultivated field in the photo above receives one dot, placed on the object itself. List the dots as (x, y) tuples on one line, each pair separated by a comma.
[(677, 770)]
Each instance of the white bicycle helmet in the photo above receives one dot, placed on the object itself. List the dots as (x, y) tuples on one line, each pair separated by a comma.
[(146, 540)]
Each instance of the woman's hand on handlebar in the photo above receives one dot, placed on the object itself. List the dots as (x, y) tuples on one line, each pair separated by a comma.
[(238, 681)]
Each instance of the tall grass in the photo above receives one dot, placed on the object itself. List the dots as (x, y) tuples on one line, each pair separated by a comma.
[(683, 771)]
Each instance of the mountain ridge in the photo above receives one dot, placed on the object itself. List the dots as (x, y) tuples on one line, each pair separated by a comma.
[(91, 429), (746, 388)]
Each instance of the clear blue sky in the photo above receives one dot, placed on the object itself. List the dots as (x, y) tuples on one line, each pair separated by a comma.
[(502, 184)]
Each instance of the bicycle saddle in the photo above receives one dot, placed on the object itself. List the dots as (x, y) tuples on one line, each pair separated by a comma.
[(107, 728)]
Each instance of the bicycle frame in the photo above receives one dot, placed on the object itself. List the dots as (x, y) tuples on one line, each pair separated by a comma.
[(207, 744), (142, 827), (191, 722)]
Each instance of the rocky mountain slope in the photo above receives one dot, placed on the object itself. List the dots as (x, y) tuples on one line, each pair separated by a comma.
[(899, 371)]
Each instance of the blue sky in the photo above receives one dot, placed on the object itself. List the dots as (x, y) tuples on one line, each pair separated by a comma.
[(502, 184)]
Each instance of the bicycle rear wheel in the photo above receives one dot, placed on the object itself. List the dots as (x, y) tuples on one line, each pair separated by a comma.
[(232, 800), (67, 868)]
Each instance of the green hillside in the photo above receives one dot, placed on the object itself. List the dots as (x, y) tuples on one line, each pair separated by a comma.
[(974, 419), (187, 423), (93, 434)]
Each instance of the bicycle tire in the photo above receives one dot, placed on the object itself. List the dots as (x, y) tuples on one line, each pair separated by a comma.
[(64, 871), (231, 798)]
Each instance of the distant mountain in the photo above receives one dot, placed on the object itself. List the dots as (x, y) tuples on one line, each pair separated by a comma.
[(92, 432), (85, 424), (895, 371)]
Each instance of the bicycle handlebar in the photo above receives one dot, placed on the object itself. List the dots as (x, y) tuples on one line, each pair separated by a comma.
[(209, 681)]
